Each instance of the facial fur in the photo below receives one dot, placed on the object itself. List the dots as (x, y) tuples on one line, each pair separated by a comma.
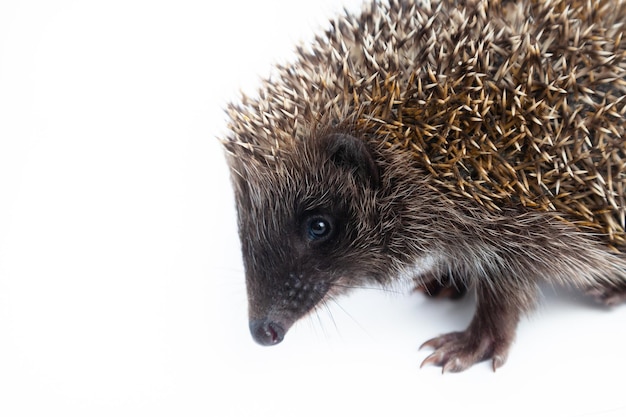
[(312, 228)]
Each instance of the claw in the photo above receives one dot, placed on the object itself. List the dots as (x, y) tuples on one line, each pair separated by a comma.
[(498, 361), (455, 352), (454, 365), (434, 358), (431, 343), (439, 341)]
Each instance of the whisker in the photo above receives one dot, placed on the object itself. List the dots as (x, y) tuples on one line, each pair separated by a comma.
[(361, 287), (335, 302), (321, 323), (330, 314)]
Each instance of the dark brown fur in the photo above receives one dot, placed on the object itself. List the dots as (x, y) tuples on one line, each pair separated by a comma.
[(341, 182)]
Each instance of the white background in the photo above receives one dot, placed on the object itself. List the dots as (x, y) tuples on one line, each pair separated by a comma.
[(121, 285)]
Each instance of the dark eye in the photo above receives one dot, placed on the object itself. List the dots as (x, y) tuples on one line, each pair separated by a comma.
[(318, 228)]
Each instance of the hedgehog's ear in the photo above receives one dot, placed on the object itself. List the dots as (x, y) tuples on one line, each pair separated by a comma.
[(352, 153)]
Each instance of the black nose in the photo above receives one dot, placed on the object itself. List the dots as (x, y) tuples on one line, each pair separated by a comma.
[(266, 332)]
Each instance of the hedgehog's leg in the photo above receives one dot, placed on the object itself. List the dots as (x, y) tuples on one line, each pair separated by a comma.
[(488, 336), (611, 289), (608, 293), (440, 287)]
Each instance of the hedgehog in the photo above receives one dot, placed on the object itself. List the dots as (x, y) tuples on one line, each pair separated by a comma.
[(451, 146)]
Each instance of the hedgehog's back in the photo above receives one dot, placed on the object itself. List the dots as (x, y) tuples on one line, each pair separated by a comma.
[(507, 110), (504, 103)]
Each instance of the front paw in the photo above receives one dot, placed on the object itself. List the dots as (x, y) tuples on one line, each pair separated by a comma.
[(457, 351), (442, 287), (609, 294)]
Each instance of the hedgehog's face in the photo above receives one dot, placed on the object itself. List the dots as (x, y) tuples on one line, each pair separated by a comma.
[(308, 226)]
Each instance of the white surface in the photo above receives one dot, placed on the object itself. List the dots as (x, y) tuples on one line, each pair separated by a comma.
[(121, 285)]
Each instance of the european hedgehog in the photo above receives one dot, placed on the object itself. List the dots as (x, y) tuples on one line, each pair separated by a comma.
[(465, 145)]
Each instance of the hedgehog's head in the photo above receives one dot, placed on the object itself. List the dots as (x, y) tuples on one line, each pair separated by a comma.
[(309, 226)]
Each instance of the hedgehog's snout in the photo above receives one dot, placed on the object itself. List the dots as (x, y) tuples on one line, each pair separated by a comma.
[(266, 332)]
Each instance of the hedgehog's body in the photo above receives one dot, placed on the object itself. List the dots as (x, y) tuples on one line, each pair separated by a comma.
[(474, 144)]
